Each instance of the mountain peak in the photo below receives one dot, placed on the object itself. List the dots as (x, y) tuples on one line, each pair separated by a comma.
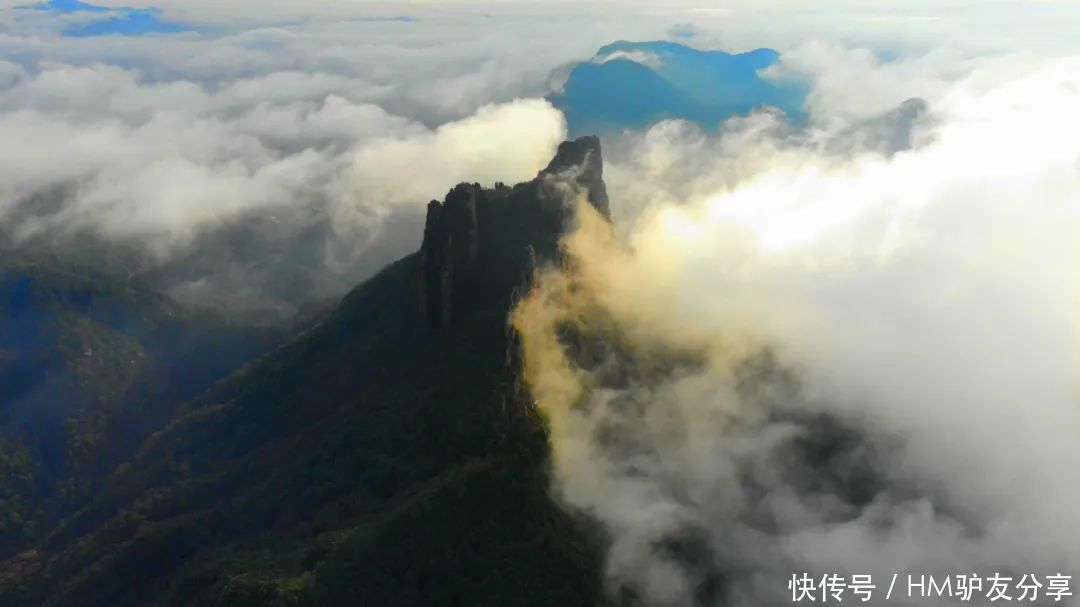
[(583, 159), (481, 240)]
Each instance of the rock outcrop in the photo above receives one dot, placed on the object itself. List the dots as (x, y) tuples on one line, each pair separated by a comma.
[(581, 162), (476, 230), (450, 248)]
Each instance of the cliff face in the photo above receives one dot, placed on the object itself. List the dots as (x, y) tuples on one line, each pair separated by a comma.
[(465, 235), (449, 251), (582, 161), (383, 457)]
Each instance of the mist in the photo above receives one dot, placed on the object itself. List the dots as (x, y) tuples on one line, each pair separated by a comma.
[(813, 352)]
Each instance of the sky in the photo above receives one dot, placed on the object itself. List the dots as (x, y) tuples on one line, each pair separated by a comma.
[(897, 272)]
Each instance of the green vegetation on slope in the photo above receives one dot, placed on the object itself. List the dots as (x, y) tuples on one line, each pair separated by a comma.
[(91, 364), (375, 459)]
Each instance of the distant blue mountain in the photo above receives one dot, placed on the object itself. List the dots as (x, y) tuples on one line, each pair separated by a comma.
[(68, 6), (634, 84), (123, 21), (132, 22)]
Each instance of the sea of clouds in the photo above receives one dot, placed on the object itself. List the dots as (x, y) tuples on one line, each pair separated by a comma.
[(273, 153)]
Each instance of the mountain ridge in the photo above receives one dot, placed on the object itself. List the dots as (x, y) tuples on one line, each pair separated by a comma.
[(389, 452)]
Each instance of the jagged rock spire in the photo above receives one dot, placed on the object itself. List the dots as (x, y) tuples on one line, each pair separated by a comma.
[(450, 248), (582, 160), (458, 229)]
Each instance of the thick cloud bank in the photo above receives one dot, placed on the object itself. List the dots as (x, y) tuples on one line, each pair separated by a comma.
[(247, 166), (161, 167), (817, 352)]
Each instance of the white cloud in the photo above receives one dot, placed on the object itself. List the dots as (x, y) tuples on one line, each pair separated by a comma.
[(925, 300), (643, 57), (509, 142), (159, 164)]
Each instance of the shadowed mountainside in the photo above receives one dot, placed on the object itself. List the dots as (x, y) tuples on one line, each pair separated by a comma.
[(386, 456), (90, 365)]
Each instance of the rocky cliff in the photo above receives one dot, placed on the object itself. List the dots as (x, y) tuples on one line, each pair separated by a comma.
[(383, 457), (465, 233)]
